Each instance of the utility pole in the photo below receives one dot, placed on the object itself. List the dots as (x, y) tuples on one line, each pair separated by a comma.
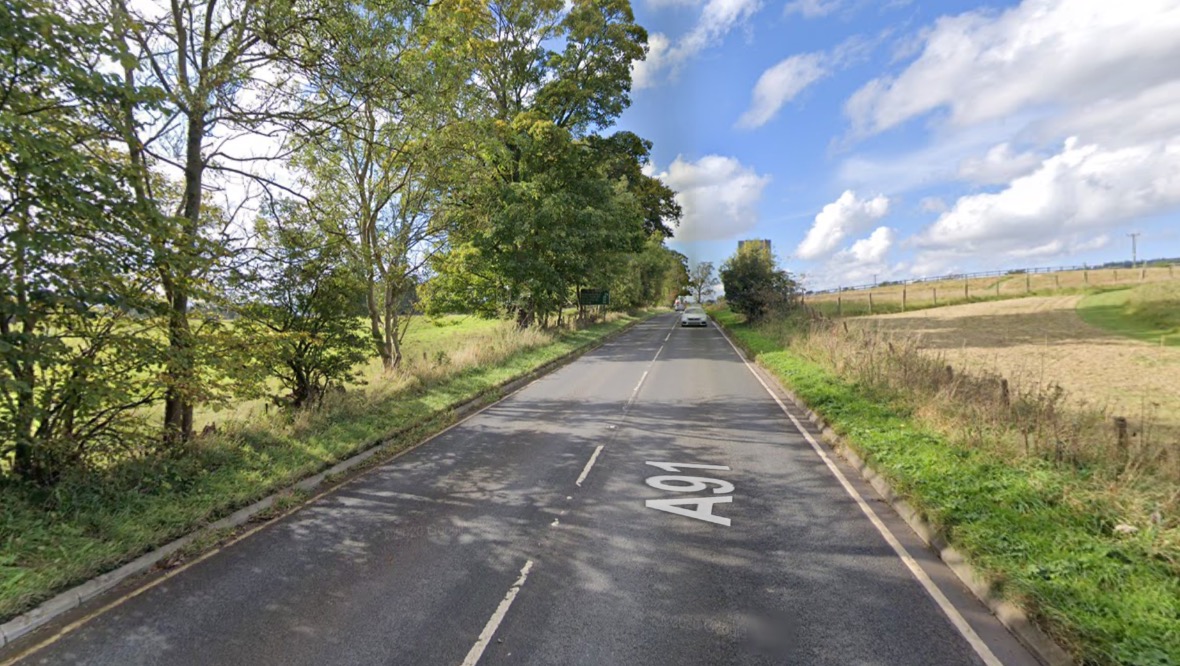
[(1134, 247)]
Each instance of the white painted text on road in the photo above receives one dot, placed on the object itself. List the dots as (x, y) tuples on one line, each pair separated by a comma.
[(702, 507)]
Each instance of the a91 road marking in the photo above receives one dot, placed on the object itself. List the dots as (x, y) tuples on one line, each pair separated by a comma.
[(690, 484)]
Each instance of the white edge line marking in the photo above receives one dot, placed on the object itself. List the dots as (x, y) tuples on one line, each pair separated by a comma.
[(944, 604), (489, 629), (589, 464)]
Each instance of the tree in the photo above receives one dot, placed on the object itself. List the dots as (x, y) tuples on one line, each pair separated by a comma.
[(624, 156), (541, 213), (754, 285), (381, 153), (654, 276), (300, 312), (528, 244), (196, 75), (701, 279), (71, 274)]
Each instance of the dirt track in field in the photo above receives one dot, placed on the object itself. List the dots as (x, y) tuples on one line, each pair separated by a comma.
[(1042, 340)]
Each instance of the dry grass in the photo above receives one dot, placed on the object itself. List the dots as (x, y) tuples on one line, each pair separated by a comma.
[(1040, 343)]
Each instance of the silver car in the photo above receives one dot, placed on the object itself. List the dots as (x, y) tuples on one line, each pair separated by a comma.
[(694, 316)]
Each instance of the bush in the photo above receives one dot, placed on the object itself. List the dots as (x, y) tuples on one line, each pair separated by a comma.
[(755, 286), (301, 317)]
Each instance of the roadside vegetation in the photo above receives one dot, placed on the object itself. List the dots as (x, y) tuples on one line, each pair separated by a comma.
[(233, 234), (1078, 526)]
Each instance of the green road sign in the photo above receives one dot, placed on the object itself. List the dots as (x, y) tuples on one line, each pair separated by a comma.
[(593, 297)]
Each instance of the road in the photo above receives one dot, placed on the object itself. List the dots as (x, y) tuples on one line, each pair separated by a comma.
[(539, 532)]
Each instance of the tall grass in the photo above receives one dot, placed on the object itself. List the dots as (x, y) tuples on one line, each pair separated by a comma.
[(1013, 417), (1157, 305)]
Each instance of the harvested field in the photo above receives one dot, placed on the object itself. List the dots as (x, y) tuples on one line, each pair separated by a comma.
[(1042, 340)]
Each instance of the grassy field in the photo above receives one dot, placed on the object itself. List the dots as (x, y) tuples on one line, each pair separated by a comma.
[(51, 539), (431, 342), (902, 298), (1150, 312), (1041, 526)]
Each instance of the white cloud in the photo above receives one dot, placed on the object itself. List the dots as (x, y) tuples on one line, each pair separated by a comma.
[(872, 250), (791, 76), (839, 219), (932, 205), (1071, 199), (780, 84), (645, 72), (999, 165), (864, 262), (812, 8), (717, 19), (939, 161), (1147, 115), (982, 66), (719, 195)]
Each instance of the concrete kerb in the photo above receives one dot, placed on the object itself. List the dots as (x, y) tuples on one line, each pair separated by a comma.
[(1038, 642), (70, 599)]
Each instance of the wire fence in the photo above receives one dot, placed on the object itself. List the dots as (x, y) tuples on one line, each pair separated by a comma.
[(922, 293), (1126, 267)]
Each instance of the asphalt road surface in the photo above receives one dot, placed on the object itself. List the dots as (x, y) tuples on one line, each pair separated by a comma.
[(539, 531)]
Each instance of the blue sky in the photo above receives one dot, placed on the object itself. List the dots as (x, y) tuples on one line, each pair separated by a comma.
[(902, 138)]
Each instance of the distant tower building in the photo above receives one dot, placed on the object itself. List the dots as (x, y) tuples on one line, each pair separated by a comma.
[(764, 242)]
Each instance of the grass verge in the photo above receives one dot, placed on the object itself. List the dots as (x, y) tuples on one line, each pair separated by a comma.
[(53, 539), (1031, 527)]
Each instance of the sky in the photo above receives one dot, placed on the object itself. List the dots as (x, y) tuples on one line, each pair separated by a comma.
[(891, 139)]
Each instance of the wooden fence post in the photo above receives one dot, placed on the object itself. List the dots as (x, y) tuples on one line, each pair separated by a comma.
[(966, 293), (1005, 396), (1027, 283), (1057, 281), (903, 290), (998, 288), (870, 302), (934, 291), (839, 305), (1120, 432), (1142, 274)]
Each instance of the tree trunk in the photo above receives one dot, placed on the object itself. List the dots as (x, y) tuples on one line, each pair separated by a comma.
[(392, 348), (181, 367), (178, 408), (23, 370), (376, 329)]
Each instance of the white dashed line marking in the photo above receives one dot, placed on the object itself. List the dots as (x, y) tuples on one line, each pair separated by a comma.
[(489, 629), (589, 464)]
